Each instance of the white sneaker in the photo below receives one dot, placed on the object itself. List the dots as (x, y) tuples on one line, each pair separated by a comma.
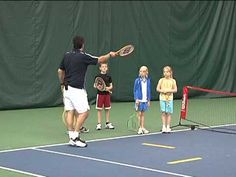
[(78, 142), (99, 126), (168, 130), (163, 129), (145, 131), (109, 126), (140, 131)]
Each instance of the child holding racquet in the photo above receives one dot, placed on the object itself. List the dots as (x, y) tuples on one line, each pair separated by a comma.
[(166, 87), (104, 97), (142, 96)]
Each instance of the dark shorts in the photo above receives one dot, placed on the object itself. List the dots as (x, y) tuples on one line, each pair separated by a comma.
[(103, 101)]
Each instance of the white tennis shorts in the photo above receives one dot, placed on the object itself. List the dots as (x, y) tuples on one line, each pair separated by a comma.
[(75, 99)]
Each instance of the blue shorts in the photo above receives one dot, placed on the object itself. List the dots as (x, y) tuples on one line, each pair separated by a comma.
[(142, 107), (166, 106)]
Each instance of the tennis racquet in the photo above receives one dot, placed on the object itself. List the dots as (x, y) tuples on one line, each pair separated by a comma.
[(64, 117), (133, 121), (64, 114), (126, 50), (100, 84)]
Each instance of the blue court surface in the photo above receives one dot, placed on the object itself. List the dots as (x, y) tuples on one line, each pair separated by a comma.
[(185, 153)]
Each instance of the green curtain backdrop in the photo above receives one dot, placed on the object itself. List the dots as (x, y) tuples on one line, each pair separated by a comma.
[(196, 38)]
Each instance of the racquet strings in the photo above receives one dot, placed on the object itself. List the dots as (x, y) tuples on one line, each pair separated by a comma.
[(100, 84), (132, 123), (126, 50)]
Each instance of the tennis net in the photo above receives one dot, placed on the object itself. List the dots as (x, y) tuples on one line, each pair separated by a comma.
[(215, 111)]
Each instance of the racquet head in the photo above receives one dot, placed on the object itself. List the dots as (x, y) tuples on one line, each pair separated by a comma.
[(64, 116), (126, 50), (100, 84), (132, 122)]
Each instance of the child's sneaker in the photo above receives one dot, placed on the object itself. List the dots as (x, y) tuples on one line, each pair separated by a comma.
[(140, 131), (99, 126), (145, 131), (163, 129), (109, 126), (168, 129)]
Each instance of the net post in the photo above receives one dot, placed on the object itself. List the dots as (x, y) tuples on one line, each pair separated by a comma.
[(201, 123), (184, 109)]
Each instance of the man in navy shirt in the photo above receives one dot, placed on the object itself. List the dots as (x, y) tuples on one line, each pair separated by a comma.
[(71, 74)]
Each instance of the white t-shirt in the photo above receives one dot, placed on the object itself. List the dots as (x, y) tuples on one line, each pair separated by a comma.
[(144, 90)]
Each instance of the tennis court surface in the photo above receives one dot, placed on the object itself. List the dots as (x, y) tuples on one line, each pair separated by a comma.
[(197, 153)]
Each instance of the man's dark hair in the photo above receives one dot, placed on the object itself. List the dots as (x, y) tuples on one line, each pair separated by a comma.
[(78, 42)]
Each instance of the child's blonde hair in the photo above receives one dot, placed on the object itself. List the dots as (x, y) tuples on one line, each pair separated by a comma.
[(169, 69), (145, 68)]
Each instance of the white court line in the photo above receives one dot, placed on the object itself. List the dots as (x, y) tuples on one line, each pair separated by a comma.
[(218, 126), (114, 163), (104, 139), (19, 171), (61, 144), (101, 139)]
